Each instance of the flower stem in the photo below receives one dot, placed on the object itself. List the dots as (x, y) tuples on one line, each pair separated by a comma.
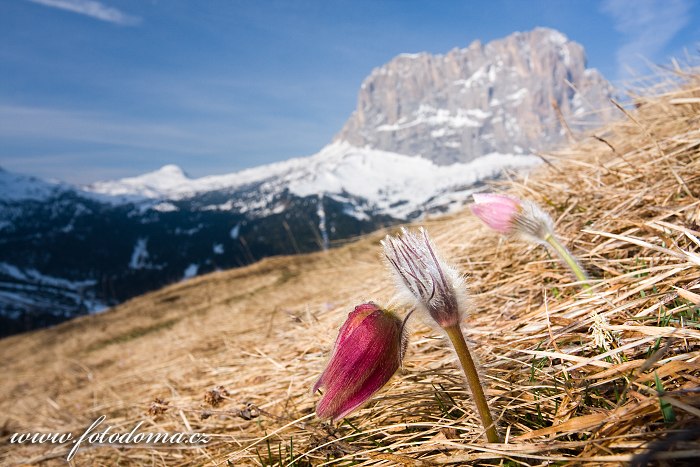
[(465, 358), (570, 261)]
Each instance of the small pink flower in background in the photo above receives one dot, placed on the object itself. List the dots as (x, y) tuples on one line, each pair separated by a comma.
[(512, 216), (367, 353), (496, 211)]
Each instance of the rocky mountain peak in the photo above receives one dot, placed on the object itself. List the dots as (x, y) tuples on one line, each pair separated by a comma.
[(494, 98)]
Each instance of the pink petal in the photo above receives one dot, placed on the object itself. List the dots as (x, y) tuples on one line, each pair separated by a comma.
[(482, 198), (496, 211), (372, 384), (355, 318)]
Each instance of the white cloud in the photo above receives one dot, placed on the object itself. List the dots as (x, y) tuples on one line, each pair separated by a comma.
[(648, 26), (93, 9)]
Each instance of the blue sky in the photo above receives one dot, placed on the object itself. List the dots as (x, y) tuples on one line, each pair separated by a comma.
[(94, 90)]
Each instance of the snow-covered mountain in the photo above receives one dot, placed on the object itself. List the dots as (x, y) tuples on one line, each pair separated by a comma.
[(395, 185), (427, 130)]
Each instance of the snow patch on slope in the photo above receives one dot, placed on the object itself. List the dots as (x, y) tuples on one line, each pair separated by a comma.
[(321, 213), (139, 256), (29, 289), (162, 183), (442, 118), (16, 187), (190, 271), (235, 231)]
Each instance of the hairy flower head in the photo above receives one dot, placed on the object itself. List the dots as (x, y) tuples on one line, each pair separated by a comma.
[(428, 282)]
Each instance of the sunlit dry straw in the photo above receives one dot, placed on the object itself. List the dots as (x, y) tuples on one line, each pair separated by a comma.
[(262, 333)]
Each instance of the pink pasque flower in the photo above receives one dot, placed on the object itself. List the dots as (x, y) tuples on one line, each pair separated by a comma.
[(511, 216), (496, 211), (367, 353)]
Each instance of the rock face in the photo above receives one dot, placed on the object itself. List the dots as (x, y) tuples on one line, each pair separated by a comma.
[(493, 98)]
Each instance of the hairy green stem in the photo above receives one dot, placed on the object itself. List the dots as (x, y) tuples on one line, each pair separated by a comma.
[(465, 359), (570, 261)]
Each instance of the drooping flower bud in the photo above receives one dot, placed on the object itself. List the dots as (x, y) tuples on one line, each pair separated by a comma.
[(427, 280), (367, 353), (511, 216)]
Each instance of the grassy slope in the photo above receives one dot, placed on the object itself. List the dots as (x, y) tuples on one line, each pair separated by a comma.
[(628, 206)]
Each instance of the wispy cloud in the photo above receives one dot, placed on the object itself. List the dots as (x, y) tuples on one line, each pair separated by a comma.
[(648, 26), (93, 9)]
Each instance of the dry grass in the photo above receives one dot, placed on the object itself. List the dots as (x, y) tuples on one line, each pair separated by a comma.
[(233, 354)]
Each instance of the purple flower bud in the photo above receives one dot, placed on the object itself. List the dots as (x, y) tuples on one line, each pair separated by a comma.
[(511, 216), (367, 353), (426, 279)]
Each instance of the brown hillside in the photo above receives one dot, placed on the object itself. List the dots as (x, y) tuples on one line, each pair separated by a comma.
[(627, 203)]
